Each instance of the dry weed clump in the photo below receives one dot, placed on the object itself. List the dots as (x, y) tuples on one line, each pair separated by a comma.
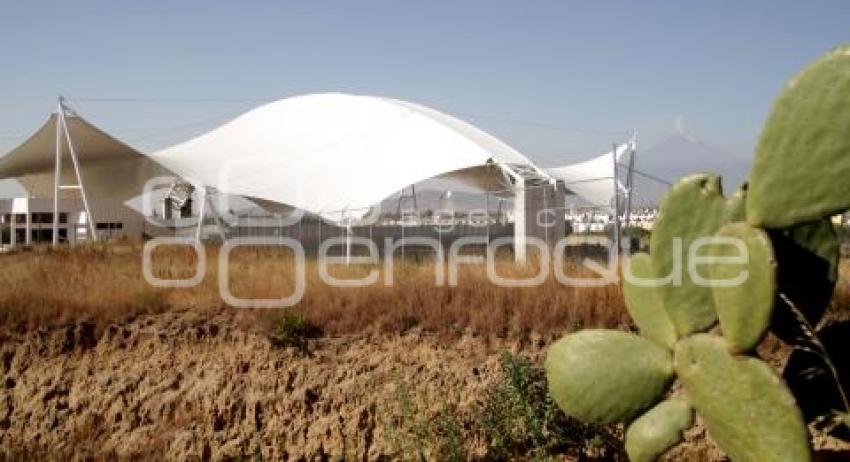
[(103, 283)]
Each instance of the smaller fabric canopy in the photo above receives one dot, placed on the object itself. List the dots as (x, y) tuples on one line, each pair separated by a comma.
[(109, 167), (593, 180)]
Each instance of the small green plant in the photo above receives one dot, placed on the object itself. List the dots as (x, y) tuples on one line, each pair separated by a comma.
[(782, 219), (515, 418), (446, 435), (518, 418), (294, 331), (406, 429), (413, 434), (515, 415)]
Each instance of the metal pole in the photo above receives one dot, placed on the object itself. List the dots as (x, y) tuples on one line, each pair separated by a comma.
[(79, 173), (487, 206), (348, 243), (439, 224), (201, 212), (13, 230), (56, 174), (616, 204), (546, 210), (415, 202), (630, 178), (28, 223)]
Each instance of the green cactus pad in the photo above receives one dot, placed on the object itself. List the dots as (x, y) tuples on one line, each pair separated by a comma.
[(803, 157), (820, 239), (747, 409), (606, 376), (645, 305), (693, 208), (744, 309), (658, 430)]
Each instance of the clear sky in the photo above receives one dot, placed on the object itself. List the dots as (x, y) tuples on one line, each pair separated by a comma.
[(559, 80)]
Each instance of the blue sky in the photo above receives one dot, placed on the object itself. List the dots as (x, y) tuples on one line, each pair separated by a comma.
[(560, 80)]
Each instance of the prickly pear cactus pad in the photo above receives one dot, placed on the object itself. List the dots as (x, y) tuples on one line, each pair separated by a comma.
[(606, 376), (744, 309), (658, 430), (747, 409), (644, 302), (693, 208), (802, 161)]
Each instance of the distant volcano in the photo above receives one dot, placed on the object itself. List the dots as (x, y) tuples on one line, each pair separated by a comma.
[(679, 155)]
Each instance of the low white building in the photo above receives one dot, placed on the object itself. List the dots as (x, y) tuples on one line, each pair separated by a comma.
[(27, 221)]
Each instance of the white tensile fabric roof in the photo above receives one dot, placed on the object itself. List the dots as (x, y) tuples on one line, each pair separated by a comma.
[(109, 167), (335, 155), (593, 180)]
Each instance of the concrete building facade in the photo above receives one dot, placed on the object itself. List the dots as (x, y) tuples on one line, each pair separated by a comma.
[(29, 221)]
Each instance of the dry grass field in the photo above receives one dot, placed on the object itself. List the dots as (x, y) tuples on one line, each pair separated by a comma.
[(397, 371), (104, 283)]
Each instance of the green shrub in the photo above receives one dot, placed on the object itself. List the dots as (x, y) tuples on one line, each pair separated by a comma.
[(518, 417), (294, 331), (514, 419)]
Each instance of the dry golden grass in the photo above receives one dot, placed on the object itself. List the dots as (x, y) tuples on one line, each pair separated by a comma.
[(104, 283)]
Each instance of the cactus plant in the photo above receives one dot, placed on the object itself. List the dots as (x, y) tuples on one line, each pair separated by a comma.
[(748, 411), (579, 371), (690, 305), (803, 154), (658, 430), (744, 309), (643, 300), (782, 219)]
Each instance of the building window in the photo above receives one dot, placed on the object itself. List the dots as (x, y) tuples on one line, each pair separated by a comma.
[(41, 235), (20, 218), (42, 218), (109, 225)]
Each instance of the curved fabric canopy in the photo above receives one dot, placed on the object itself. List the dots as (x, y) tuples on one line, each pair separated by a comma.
[(593, 180), (109, 167), (336, 155)]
